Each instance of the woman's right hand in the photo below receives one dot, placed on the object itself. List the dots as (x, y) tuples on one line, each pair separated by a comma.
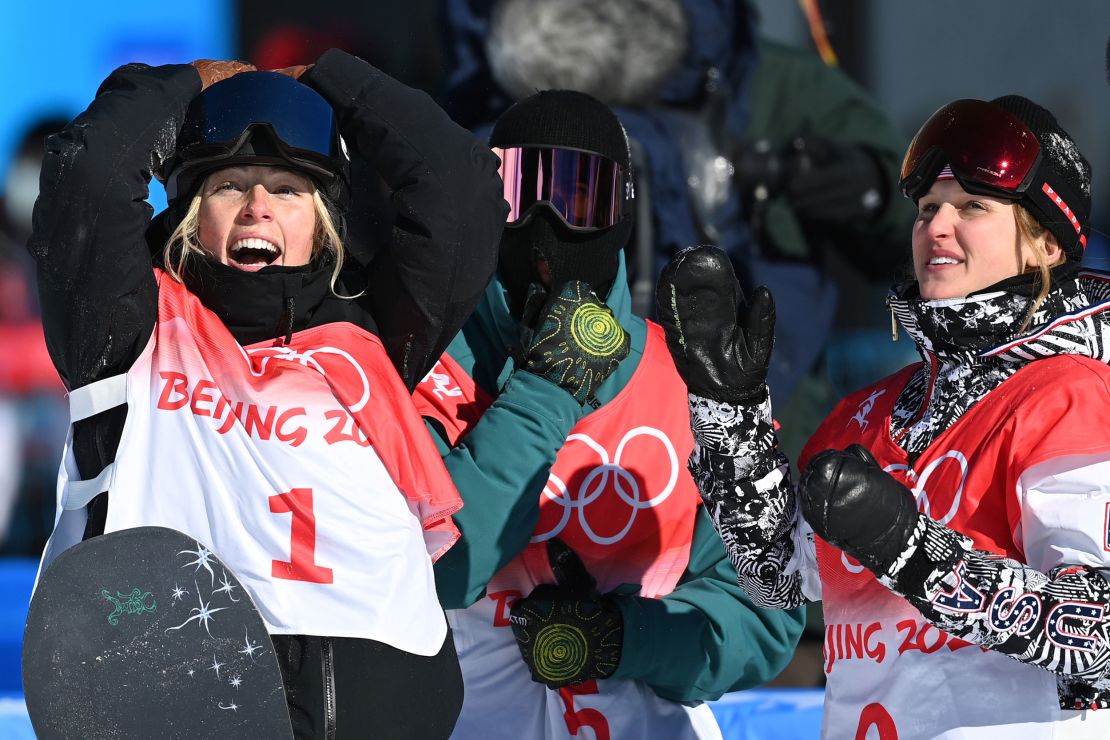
[(212, 71), (720, 343), (578, 341)]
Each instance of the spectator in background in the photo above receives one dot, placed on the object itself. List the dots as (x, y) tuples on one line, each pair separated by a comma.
[(33, 415), (757, 147), (17, 200)]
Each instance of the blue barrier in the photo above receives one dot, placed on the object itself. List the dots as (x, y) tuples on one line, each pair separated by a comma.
[(770, 714), (14, 722), (760, 714), (17, 577)]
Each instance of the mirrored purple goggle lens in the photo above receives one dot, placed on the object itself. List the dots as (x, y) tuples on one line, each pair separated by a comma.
[(583, 188)]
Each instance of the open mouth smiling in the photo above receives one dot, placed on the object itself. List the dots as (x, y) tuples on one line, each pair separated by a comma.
[(253, 253)]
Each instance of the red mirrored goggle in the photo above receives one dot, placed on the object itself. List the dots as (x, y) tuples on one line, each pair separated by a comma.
[(989, 150), (583, 188)]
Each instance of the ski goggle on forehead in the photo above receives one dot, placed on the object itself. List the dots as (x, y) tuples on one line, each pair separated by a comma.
[(299, 117), (583, 188), (284, 121), (989, 150)]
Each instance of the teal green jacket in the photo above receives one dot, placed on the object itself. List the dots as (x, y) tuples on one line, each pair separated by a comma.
[(703, 639)]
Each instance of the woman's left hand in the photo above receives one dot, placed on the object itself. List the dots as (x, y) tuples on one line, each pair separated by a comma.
[(212, 71), (295, 71)]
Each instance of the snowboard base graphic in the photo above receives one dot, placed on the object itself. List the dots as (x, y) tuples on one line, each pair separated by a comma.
[(144, 633)]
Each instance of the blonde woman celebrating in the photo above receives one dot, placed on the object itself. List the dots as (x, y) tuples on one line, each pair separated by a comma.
[(251, 386)]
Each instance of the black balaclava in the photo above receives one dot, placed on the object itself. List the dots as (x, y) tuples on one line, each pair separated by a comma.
[(571, 120)]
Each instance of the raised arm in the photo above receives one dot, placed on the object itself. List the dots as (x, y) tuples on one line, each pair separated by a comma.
[(721, 346), (447, 195), (96, 285), (501, 465)]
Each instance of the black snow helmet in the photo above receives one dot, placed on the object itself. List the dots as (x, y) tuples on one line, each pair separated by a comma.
[(258, 118), (1064, 206), (570, 120)]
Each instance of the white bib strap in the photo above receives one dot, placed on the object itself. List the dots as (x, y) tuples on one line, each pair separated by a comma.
[(91, 399), (74, 495), (78, 493)]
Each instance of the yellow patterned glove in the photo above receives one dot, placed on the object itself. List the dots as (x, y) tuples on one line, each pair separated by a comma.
[(567, 632), (578, 343)]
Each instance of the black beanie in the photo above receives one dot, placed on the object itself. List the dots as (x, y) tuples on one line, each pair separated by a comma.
[(1064, 207), (569, 120), (563, 118)]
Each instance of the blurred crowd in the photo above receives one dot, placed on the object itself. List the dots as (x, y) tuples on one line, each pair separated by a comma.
[(33, 416), (755, 146), (761, 148)]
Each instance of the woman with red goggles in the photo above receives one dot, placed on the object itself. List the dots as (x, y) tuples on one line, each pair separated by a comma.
[(961, 506)]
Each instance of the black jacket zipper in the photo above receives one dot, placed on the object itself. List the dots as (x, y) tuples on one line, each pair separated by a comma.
[(328, 665)]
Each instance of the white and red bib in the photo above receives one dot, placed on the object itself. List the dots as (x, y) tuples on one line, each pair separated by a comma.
[(891, 674), (618, 494), (304, 466)]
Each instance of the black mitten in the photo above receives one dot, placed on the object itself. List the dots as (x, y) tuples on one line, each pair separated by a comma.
[(857, 506), (579, 342), (721, 345), (567, 632), (833, 183)]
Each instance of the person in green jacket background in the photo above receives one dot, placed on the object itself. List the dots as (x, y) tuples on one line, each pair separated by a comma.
[(589, 588), (755, 146)]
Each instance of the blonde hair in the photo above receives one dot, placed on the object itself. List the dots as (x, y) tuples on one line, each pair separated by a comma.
[(1031, 231), (184, 242)]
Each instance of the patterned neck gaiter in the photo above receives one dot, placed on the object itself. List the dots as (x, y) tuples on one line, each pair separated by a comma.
[(971, 345)]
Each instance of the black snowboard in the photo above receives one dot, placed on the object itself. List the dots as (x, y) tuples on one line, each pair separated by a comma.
[(144, 633)]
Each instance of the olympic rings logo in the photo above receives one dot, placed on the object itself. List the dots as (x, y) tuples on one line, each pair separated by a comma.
[(922, 496), (307, 359), (597, 481)]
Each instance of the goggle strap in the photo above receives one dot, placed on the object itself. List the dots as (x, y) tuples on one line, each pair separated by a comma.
[(1068, 213)]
